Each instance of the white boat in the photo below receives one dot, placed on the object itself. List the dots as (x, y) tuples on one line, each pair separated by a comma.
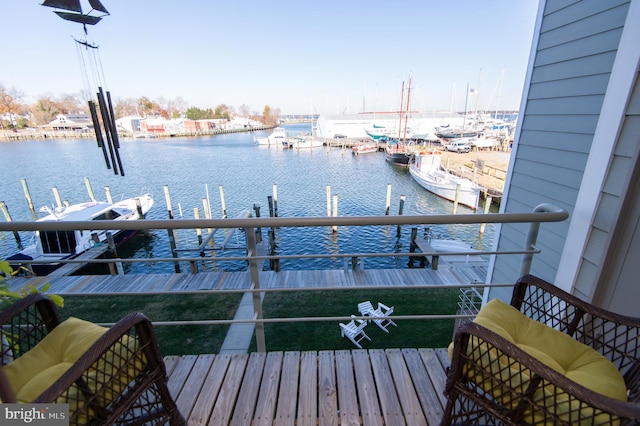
[(276, 137), (480, 142), (302, 142), (61, 245), (427, 170), (366, 147)]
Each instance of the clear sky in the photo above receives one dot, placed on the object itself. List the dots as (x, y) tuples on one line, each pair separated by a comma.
[(324, 57)]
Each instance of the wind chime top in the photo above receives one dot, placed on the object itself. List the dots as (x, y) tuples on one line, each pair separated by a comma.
[(72, 11)]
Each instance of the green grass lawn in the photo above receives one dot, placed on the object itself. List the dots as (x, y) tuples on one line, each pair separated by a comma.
[(173, 340), (326, 335), (299, 336)]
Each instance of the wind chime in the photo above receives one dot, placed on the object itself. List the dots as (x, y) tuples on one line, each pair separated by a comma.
[(93, 76)]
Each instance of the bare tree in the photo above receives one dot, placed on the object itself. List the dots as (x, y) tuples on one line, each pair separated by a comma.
[(244, 110), (9, 102)]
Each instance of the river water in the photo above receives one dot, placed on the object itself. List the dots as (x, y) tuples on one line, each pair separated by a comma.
[(247, 172)]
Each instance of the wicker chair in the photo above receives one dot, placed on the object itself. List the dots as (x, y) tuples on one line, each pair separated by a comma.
[(119, 379), (524, 390)]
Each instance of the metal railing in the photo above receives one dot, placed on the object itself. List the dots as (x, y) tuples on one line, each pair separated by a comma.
[(542, 214)]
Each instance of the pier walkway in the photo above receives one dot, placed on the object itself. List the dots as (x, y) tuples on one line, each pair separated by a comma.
[(202, 281)]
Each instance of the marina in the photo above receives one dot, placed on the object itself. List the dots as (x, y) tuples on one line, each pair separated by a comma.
[(363, 184)]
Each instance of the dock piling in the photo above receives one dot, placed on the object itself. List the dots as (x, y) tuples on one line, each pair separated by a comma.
[(328, 201), (7, 216), (171, 232), (256, 209), (455, 200), (56, 195), (27, 195), (487, 204), (275, 200), (107, 192), (222, 201), (335, 211), (87, 183), (400, 210), (270, 201), (388, 204)]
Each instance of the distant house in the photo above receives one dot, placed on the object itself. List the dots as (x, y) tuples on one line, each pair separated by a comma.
[(70, 122), (153, 125), (129, 124)]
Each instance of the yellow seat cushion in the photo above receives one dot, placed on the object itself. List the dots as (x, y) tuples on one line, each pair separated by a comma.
[(36, 370), (577, 361)]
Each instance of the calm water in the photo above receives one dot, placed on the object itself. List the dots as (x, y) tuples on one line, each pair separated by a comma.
[(193, 167)]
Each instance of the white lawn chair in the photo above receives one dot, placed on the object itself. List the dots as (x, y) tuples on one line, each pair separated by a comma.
[(380, 315), (354, 332)]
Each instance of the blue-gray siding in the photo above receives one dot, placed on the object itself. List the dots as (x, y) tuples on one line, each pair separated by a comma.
[(574, 56)]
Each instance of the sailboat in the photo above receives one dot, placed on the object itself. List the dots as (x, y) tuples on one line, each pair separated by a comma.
[(396, 151)]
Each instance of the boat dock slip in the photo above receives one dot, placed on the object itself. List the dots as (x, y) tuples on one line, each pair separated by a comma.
[(69, 268), (167, 283)]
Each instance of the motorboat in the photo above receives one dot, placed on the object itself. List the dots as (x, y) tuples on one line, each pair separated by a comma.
[(276, 138), (302, 142), (366, 147), (428, 172), (50, 246)]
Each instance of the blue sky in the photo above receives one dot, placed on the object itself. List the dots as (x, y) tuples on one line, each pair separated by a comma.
[(301, 57)]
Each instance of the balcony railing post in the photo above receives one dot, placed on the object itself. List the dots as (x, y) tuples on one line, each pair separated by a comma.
[(255, 284), (532, 236)]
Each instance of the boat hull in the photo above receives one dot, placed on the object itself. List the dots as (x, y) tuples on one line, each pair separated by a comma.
[(53, 246), (397, 154), (428, 173)]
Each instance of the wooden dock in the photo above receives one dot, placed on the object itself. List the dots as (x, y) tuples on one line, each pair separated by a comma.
[(369, 387), (70, 268), (201, 281)]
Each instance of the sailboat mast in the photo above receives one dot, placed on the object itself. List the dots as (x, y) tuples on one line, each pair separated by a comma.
[(401, 104), (466, 101), (406, 118)]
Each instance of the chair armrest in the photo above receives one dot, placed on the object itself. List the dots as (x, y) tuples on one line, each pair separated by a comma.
[(126, 357), (383, 307), (522, 387), (26, 322)]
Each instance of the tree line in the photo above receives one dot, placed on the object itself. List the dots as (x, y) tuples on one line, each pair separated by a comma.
[(47, 107)]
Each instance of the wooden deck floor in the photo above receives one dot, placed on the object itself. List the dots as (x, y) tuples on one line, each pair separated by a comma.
[(368, 387)]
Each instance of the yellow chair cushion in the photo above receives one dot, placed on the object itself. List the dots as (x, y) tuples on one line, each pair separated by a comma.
[(36, 370), (577, 361)]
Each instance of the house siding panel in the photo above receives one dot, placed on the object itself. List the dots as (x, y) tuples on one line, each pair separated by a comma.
[(589, 105), (598, 240), (576, 11), (589, 65), (568, 79), (604, 218), (572, 142), (584, 28), (562, 123), (566, 87), (580, 48), (634, 103), (619, 172)]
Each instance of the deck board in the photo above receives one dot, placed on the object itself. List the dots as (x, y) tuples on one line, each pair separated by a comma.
[(288, 395), (365, 383), (308, 391), (327, 391), (357, 387)]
